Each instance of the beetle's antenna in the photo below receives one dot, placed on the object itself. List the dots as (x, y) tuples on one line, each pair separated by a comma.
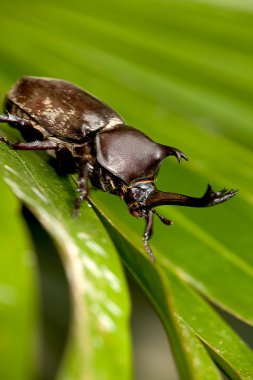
[(163, 219)]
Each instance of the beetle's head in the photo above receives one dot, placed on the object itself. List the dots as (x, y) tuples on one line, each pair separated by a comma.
[(143, 197), (136, 197)]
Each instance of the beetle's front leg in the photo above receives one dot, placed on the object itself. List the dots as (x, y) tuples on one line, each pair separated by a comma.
[(148, 233), (82, 187)]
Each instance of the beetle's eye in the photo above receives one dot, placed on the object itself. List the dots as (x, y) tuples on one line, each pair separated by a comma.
[(136, 213)]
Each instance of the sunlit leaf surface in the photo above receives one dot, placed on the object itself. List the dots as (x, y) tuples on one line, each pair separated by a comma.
[(17, 301), (99, 296)]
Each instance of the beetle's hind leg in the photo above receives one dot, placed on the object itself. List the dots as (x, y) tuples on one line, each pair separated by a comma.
[(15, 121), (82, 189), (148, 233), (34, 145)]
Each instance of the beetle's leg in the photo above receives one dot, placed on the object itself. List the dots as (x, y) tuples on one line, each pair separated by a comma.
[(82, 187), (210, 198), (14, 120), (148, 233), (34, 145)]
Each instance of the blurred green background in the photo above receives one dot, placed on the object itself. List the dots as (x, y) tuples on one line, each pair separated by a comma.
[(181, 71)]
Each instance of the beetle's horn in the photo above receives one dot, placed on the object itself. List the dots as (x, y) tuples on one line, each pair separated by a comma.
[(170, 151), (210, 198)]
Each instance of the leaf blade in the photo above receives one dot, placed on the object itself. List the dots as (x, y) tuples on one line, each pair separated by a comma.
[(95, 277)]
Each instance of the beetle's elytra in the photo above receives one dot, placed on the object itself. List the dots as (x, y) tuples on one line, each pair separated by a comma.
[(90, 138)]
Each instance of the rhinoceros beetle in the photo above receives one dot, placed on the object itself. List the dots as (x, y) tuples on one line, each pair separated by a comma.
[(89, 138)]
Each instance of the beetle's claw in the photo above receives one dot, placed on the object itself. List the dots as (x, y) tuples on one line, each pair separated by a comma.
[(4, 140), (149, 250), (212, 198), (76, 213), (82, 196)]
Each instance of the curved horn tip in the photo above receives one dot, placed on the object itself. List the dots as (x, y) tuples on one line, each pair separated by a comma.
[(212, 198), (179, 155), (185, 157)]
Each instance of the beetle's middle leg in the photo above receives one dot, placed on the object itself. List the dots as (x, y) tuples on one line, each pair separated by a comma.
[(82, 186), (148, 233)]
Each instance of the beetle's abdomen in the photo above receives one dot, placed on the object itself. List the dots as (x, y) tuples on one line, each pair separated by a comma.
[(63, 109), (128, 153)]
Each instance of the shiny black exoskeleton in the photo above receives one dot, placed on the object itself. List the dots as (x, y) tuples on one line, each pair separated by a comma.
[(88, 137)]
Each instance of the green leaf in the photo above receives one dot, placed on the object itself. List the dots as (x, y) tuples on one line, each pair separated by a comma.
[(183, 313), (18, 311), (98, 290)]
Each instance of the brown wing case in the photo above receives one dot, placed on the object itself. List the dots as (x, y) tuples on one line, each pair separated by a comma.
[(63, 109)]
